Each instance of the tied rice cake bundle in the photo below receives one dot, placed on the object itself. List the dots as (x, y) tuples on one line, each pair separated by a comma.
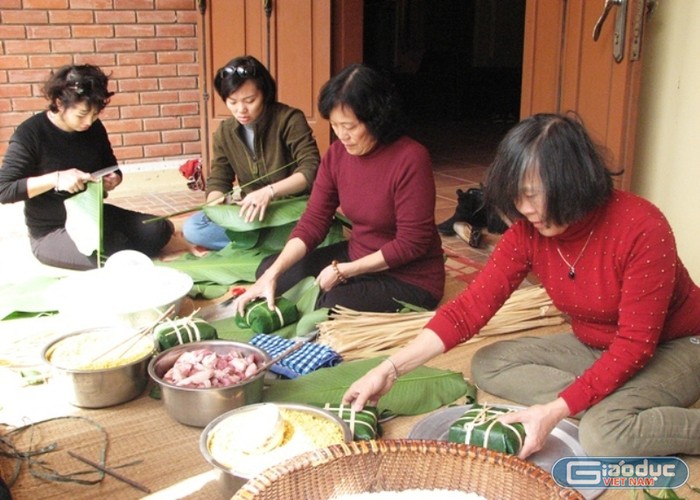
[(261, 319), (183, 331), (364, 424), (479, 426)]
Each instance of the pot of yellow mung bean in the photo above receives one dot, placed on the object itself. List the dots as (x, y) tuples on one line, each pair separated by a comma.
[(243, 442), (100, 367)]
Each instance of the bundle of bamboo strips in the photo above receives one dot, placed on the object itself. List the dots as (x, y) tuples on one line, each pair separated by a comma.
[(361, 335)]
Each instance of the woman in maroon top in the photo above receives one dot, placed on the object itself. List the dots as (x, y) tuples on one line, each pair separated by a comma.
[(630, 368), (383, 182)]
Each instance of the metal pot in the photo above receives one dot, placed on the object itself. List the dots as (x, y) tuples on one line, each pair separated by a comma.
[(198, 407), (104, 387), (229, 481)]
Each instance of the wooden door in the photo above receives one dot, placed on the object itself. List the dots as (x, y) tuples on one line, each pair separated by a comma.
[(292, 38), (565, 69)]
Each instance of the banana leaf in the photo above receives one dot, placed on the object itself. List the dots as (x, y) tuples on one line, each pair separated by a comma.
[(244, 240), (420, 391), (207, 290), (225, 267), (34, 297), (234, 265), (303, 294), (279, 213), (84, 219)]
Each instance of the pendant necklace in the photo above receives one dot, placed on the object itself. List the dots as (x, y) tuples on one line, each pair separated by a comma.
[(572, 267)]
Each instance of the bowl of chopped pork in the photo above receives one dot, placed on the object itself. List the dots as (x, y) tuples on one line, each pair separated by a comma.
[(201, 380)]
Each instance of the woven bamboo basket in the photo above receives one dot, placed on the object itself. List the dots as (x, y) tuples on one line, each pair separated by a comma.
[(402, 464)]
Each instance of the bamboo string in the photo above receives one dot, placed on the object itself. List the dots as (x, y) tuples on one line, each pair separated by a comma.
[(360, 335), (200, 207)]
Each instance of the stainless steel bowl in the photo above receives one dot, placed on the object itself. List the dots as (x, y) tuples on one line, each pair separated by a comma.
[(198, 407), (230, 481), (102, 387)]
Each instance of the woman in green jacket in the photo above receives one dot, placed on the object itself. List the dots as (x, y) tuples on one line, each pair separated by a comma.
[(266, 146)]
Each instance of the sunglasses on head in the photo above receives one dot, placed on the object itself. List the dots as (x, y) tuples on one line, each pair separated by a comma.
[(78, 83), (242, 71)]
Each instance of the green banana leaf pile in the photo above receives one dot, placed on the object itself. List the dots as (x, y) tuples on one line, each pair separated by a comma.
[(251, 242)]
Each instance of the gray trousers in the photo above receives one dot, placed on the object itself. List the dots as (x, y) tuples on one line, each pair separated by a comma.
[(647, 416)]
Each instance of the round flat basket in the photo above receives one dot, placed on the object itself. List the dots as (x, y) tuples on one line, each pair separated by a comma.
[(402, 464)]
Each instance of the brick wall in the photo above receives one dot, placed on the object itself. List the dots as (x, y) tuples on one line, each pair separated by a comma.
[(148, 47)]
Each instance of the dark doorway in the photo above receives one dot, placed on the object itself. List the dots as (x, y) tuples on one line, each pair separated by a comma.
[(454, 61)]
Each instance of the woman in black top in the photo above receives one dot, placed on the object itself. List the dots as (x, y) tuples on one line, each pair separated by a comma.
[(52, 156)]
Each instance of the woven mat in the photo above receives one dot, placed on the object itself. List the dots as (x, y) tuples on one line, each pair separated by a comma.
[(164, 452)]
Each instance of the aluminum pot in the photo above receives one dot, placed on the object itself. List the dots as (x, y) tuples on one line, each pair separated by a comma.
[(99, 388), (198, 407), (229, 481)]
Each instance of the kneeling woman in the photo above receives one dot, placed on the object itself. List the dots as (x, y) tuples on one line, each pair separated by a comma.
[(383, 182)]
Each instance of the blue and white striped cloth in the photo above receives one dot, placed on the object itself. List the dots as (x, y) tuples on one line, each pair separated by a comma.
[(306, 359)]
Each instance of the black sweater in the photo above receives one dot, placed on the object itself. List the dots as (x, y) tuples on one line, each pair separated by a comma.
[(38, 147)]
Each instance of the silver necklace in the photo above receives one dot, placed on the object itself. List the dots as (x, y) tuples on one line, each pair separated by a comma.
[(572, 267)]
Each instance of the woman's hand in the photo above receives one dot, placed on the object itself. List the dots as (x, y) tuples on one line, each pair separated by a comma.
[(539, 421), (264, 287), (329, 278), (369, 388), (111, 181), (377, 382), (71, 180), (255, 204)]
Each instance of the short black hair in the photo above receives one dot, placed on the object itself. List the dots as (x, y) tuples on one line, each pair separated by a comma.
[(73, 84), (371, 96), (230, 77), (575, 178)]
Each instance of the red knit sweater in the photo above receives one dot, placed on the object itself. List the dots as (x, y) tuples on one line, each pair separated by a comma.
[(389, 195), (630, 291)]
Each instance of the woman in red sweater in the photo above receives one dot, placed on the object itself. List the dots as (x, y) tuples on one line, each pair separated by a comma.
[(382, 181), (630, 368)]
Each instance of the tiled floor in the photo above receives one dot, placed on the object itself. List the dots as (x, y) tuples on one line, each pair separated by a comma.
[(460, 151)]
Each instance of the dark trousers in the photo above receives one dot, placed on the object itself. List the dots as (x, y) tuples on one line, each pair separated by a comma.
[(122, 230), (375, 292)]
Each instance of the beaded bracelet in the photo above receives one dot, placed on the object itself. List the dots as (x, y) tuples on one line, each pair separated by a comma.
[(341, 276), (57, 180), (272, 188)]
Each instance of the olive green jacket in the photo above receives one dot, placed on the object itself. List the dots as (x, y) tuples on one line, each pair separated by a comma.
[(282, 135)]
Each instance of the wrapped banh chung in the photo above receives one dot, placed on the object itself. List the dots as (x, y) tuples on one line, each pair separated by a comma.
[(261, 319), (479, 426), (183, 331)]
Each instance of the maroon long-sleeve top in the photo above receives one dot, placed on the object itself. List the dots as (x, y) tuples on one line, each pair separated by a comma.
[(389, 196)]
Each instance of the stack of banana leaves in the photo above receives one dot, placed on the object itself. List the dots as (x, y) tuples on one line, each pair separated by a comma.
[(251, 242)]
